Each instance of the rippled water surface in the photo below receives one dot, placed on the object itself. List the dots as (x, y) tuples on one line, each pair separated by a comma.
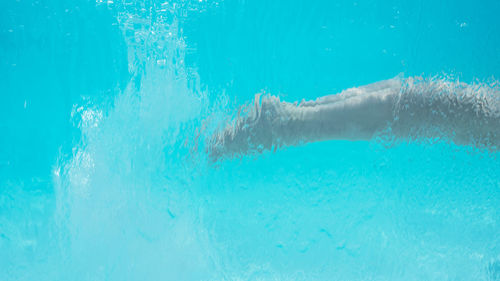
[(106, 108)]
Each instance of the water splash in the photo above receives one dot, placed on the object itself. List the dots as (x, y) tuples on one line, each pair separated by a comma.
[(125, 203)]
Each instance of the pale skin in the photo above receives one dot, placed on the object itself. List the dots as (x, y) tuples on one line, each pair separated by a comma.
[(406, 108)]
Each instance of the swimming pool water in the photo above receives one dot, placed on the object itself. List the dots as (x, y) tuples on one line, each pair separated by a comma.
[(106, 107)]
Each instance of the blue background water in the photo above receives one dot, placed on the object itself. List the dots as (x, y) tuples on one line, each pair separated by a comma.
[(102, 178)]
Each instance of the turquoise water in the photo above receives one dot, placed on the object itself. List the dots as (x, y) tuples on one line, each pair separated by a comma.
[(106, 106)]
